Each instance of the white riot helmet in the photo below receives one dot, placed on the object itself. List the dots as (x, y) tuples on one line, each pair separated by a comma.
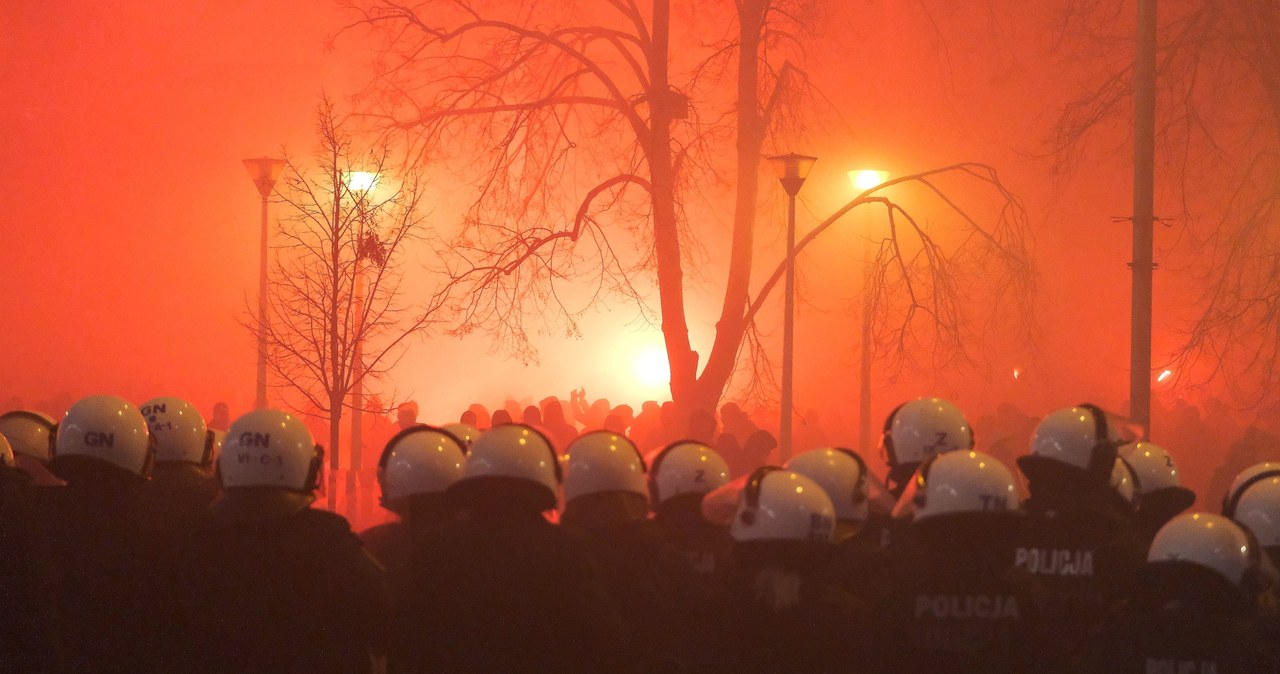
[(959, 483), (922, 428), (1211, 541), (1245, 476), (419, 460), (6, 452), (783, 505), (685, 467), (514, 451), (270, 448), (1257, 507), (29, 433), (1122, 481), (108, 428), (1079, 437), (1152, 465), (841, 473), (464, 432), (602, 461), (180, 431)]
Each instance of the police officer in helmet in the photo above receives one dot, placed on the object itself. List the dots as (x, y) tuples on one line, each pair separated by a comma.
[(266, 582)]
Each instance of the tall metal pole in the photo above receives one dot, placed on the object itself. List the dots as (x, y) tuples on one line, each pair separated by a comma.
[(792, 169), (1143, 198), (788, 330), (260, 399), (264, 171), (864, 389)]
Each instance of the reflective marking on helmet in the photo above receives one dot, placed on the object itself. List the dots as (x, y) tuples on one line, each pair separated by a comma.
[(248, 439), (96, 439), (1055, 562), (938, 446), (820, 526), (961, 607), (263, 459), (994, 502)]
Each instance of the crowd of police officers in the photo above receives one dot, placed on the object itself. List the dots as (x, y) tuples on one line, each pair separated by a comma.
[(137, 540)]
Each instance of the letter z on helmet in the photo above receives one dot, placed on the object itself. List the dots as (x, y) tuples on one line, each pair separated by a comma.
[(685, 467), (922, 428), (270, 448)]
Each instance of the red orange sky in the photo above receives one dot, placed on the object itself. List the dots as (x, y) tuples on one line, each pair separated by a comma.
[(128, 241)]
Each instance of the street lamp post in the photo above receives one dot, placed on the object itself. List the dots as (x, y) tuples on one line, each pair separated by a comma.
[(791, 169), (863, 180), (264, 171), (359, 183)]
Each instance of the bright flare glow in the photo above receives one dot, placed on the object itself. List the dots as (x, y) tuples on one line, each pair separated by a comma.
[(865, 179), (1165, 375), (360, 181), (1017, 373), (651, 367)]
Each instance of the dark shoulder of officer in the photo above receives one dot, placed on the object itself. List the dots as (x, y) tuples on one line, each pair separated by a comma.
[(267, 583), (502, 589)]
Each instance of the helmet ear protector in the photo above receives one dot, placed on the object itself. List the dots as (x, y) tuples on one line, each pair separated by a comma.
[(751, 494), (860, 487), (316, 470), (209, 439), (1133, 474), (1232, 500), (887, 437), (1103, 455), (922, 478)]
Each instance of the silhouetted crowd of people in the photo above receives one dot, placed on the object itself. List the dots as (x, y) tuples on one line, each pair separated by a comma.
[(141, 538)]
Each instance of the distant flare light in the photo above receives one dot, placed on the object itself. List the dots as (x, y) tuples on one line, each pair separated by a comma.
[(651, 367), (1017, 373), (1164, 376), (360, 181), (865, 179)]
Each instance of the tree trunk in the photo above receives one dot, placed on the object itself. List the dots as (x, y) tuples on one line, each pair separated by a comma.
[(666, 235), (710, 387)]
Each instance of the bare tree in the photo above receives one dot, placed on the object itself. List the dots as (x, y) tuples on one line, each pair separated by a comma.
[(1218, 135), (336, 318), (597, 158)]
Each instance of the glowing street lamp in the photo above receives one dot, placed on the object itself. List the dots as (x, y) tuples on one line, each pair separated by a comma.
[(791, 169), (264, 171), (863, 180)]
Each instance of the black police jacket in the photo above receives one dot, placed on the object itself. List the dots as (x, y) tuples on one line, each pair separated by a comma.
[(284, 593), (1183, 618)]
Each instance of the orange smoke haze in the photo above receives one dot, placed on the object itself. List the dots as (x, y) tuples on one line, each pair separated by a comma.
[(129, 236)]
